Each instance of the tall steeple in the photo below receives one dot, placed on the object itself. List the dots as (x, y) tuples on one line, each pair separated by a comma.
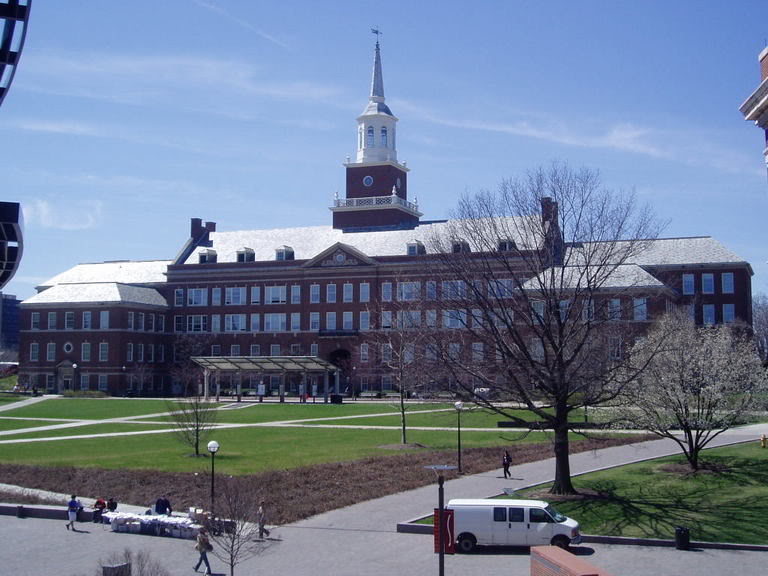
[(377, 184)]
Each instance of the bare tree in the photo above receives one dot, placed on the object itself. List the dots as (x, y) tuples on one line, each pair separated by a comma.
[(193, 419), (235, 538), (696, 382), (760, 325), (535, 277), (184, 371), (140, 563)]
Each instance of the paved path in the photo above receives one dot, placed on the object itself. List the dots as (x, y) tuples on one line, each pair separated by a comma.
[(362, 539)]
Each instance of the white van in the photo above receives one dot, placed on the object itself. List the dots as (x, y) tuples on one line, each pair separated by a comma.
[(506, 522)]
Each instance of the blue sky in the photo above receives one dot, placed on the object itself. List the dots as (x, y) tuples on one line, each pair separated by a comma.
[(126, 119)]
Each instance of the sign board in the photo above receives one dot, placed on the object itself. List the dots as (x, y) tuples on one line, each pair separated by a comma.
[(260, 390), (449, 542)]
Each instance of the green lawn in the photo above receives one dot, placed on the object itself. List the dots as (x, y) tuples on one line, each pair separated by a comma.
[(89, 408), (650, 499), (16, 424), (97, 428), (272, 412)]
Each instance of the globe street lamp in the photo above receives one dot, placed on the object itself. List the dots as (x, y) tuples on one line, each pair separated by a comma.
[(459, 407), (439, 469), (213, 447)]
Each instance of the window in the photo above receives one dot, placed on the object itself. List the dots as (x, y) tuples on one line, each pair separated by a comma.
[(506, 245), (459, 246), (386, 291), (51, 320), (314, 321), (178, 297), (348, 295), (234, 350), (129, 352), (516, 515), (454, 318), (365, 320), (274, 350), (499, 514), (274, 294), (501, 288), (34, 352), (537, 311), (141, 321), (295, 349), (386, 382), (330, 293), (588, 311), (160, 353), (454, 351), (416, 248), (727, 282), (383, 137), (216, 296), (477, 352), (197, 297), (234, 296), (86, 320), (729, 313), (85, 352), (640, 309), (708, 314), (708, 283), (538, 515), (84, 381), (365, 292), (104, 320), (255, 294), (197, 323), (160, 323), (369, 143), (295, 294), (614, 309), (215, 349), (614, 348), (103, 383), (537, 350), (103, 351), (564, 307), (140, 353), (234, 323), (275, 322), (131, 316), (255, 350), (430, 317), (34, 320), (431, 288), (386, 352), (178, 323), (364, 353), (50, 352), (207, 257), (453, 289), (313, 349), (284, 253), (386, 319), (295, 321), (408, 291), (69, 320), (216, 323), (408, 319), (246, 255), (346, 322), (255, 322), (314, 293), (151, 322), (330, 320), (688, 284)]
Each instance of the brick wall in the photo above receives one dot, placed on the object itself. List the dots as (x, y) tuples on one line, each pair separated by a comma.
[(554, 561)]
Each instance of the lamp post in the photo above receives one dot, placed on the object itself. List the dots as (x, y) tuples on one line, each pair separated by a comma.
[(438, 470), (459, 407), (213, 447), (74, 375)]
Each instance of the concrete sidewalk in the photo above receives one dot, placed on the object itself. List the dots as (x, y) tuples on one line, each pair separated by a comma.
[(362, 539)]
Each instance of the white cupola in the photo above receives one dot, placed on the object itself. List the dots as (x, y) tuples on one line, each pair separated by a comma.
[(376, 125)]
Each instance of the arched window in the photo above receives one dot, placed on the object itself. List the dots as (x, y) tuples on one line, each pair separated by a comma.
[(370, 142), (384, 137)]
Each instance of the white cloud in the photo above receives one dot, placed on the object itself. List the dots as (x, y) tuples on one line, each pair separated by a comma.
[(59, 127), (63, 215), (240, 22)]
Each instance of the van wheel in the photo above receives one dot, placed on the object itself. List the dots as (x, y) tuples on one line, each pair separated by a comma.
[(561, 542), (467, 543)]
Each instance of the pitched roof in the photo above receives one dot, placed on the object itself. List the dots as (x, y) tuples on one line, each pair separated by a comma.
[(123, 271), (98, 292)]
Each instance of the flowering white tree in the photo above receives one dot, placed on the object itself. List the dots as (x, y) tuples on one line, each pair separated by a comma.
[(697, 382)]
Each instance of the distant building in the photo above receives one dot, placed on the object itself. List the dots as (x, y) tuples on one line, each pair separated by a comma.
[(9, 326), (320, 291), (755, 108)]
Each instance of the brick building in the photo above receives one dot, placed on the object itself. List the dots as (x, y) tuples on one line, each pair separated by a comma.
[(322, 291)]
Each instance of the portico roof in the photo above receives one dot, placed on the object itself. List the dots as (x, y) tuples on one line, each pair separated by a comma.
[(264, 363)]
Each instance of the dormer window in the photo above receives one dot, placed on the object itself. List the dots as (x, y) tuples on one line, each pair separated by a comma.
[(207, 257), (284, 253), (460, 246), (246, 255), (506, 245), (416, 248)]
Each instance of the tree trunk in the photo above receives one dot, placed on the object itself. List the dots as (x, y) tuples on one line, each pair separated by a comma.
[(562, 483), (402, 415)]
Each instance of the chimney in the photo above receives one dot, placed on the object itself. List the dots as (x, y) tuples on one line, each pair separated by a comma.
[(548, 210), (196, 227)]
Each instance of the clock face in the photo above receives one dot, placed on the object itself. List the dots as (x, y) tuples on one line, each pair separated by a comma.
[(368, 181)]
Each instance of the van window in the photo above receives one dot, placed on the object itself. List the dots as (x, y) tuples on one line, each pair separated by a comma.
[(516, 515), (499, 514), (555, 514), (538, 515)]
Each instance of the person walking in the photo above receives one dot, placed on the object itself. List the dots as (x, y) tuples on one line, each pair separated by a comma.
[(203, 546), (506, 462), (73, 507), (261, 519)]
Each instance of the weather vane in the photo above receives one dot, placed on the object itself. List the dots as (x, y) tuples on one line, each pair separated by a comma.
[(377, 32)]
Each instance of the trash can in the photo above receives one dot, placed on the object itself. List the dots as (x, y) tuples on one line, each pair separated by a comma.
[(335, 398), (682, 538)]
